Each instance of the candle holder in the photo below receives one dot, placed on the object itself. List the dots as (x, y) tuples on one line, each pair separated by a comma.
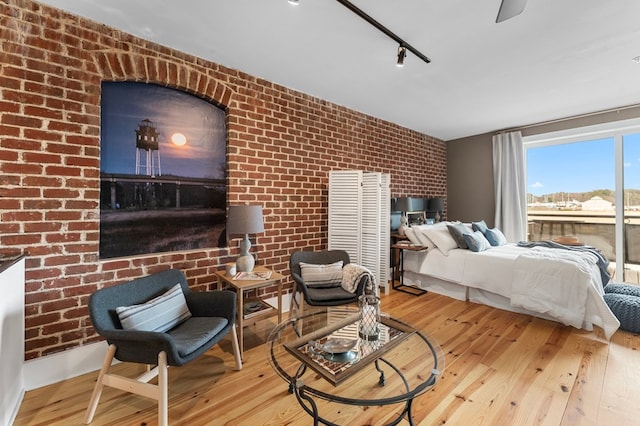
[(369, 329)]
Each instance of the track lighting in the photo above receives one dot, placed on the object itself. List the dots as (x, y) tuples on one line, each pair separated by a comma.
[(402, 52), (404, 46)]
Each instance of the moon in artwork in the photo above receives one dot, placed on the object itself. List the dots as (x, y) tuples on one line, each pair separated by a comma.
[(179, 139)]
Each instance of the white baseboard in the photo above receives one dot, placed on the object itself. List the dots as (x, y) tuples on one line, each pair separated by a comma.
[(83, 359), (61, 366), (15, 408)]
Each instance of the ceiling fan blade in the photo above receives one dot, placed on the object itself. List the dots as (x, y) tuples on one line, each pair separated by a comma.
[(509, 9)]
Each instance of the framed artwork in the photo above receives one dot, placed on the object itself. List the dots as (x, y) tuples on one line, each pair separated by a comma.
[(162, 171)]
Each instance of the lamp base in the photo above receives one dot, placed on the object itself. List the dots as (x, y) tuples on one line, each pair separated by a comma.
[(245, 263)]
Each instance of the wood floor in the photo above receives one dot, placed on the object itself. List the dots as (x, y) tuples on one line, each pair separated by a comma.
[(501, 369)]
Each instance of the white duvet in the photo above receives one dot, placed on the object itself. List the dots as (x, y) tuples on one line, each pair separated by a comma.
[(561, 284)]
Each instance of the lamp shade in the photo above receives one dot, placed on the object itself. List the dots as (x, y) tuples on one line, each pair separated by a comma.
[(245, 220), (416, 204), (436, 204), (401, 204)]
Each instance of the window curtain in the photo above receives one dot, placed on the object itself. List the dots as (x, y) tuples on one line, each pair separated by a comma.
[(509, 183)]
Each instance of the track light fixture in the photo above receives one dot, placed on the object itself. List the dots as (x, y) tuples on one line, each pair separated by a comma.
[(402, 52), (384, 29), (404, 46)]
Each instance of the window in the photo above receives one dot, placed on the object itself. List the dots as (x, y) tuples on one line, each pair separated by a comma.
[(576, 179)]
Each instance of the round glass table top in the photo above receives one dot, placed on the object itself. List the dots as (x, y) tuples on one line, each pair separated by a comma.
[(324, 354)]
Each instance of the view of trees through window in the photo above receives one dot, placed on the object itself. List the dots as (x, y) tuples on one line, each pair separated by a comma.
[(575, 184)]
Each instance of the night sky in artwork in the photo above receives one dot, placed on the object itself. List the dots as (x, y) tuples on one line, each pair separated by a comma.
[(125, 105)]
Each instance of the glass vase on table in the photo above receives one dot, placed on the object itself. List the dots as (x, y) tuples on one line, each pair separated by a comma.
[(369, 328)]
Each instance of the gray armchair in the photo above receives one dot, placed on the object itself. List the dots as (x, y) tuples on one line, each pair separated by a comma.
[(325, 296), (213, 315)]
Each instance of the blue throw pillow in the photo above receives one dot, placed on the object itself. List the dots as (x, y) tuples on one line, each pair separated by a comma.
[(479, 226), (495, 237), (476, 241), (457, 230)]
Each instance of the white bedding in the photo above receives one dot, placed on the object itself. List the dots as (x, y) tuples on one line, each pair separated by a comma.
[(559, 284)]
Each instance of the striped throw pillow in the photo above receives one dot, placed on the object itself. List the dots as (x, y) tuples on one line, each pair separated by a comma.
[(160, 314), (322, 276)]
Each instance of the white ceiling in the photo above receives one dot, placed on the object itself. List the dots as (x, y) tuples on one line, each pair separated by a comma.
[(557, 59)]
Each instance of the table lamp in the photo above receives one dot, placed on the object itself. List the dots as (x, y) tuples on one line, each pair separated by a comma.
[(245, 220), (436, 206), (402, 204)]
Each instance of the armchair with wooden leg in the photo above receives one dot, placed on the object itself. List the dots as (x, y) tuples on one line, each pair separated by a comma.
[(322, 286), (157, 320)]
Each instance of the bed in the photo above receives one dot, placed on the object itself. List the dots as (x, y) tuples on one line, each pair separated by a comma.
[(563, 285)]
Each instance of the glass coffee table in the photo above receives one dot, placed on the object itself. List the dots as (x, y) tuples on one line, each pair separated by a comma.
[(322, 356)]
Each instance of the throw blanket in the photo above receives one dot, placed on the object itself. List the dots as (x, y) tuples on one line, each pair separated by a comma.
[(602, 261), (351, 276)]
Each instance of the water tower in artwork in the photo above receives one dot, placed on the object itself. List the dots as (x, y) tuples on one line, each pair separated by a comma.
[(147, 149)]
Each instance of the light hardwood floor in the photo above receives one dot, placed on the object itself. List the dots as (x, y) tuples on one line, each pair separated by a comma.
[(501, 369)]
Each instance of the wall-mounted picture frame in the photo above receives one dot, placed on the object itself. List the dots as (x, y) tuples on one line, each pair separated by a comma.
[(162, 171)]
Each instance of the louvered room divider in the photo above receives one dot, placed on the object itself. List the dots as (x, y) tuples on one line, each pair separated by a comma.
[(359, 219)]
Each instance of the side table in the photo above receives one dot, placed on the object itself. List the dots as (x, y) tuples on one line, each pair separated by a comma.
[(240, 286), (398, 269)]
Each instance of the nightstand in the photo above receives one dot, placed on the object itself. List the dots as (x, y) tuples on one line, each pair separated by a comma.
[(398, 268)]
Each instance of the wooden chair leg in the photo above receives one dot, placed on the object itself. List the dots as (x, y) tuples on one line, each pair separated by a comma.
[(236, 347), (292, 303), (163, 390), (138, 386), (97, 389), (296, 307)]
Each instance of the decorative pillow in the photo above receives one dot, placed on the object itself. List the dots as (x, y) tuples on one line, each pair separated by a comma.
[(476, 241), (442, 238), (456, 230), (495, 237), (479, 226), (322, 276), (160, 314)]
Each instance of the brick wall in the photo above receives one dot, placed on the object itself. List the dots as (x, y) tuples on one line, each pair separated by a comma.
[(281, 145)]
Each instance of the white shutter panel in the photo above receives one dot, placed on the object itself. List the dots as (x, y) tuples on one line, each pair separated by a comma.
[(384, 228), (371, 223), (345, 203)]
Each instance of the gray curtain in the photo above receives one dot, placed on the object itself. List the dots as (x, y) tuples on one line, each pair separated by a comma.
[(510, 185)]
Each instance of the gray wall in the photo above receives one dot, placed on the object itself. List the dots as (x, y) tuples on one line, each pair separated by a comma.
[(470, 165)]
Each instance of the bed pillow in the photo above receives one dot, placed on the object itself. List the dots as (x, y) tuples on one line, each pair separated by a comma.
[(441, 238), (476, 241), (159, 314), (422, 238), (495, 237), (322, 276), (410, 233), (479, 226), (456, 230)]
